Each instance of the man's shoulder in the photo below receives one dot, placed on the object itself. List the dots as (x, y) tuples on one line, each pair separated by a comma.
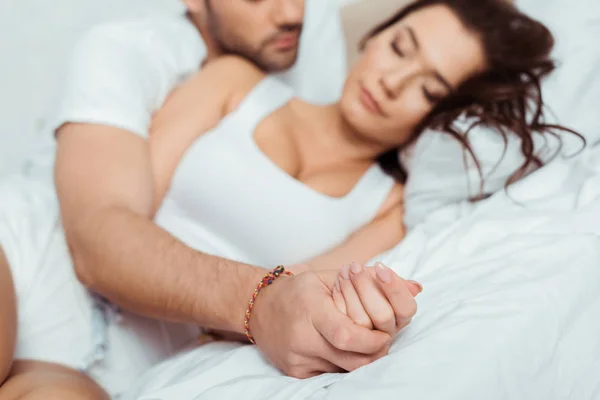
[(163, 44), (153, 31)]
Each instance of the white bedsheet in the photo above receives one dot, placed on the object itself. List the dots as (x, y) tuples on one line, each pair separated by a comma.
[(509, 311)]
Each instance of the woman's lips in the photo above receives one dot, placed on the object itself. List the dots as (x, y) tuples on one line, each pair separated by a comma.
[(369, 102)]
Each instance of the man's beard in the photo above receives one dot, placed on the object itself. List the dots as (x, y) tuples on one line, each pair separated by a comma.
[(258, 56)]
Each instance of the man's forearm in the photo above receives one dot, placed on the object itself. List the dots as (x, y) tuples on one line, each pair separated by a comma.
[(142, 268)]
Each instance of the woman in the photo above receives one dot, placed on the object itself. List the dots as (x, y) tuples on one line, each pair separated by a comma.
[(413, 75), (323, 167)]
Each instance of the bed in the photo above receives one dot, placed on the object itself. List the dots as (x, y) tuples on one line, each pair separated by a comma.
[(512, 288)]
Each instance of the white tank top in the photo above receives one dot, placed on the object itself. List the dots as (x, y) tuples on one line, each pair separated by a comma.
[(227, 198)]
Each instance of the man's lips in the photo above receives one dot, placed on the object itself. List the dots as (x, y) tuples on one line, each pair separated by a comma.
[(286, 41)]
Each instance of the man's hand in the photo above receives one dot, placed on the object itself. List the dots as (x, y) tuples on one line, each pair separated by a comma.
[(299, 329)]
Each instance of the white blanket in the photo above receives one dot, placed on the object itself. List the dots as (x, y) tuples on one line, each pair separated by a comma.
[(509, 310)]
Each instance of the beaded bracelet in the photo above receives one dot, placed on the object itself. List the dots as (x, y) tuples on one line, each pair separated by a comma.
[(268, 279)]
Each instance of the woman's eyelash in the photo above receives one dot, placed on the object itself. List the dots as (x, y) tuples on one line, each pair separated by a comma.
[(433, 99)]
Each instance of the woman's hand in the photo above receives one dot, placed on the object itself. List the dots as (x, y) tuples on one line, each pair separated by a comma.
[(375, 297)]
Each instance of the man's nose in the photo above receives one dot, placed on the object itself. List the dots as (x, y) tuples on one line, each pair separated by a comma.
[(289, 12)]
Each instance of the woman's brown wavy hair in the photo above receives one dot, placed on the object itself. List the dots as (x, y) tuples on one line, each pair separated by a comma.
[(507, 97)]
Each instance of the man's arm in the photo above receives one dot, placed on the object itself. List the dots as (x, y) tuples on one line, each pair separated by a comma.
[(106, 186), (119, 74)]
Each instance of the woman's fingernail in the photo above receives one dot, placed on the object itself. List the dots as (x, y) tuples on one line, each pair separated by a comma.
[(355, 267), (345, 272), (383, 273), (418, 285)]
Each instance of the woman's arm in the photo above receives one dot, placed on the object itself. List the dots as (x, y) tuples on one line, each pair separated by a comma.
[(383, 233), (367, 295)]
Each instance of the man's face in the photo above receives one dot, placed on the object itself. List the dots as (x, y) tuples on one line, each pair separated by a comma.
[(266, 32)]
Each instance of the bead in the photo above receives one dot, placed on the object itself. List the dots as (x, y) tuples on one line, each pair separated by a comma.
[(267, 280)]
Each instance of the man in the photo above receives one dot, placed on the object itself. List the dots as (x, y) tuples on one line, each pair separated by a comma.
[(119, 76)]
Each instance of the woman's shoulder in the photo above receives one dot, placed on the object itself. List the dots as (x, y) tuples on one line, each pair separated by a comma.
[(235, 77), (238, 77), (240, 67), (245, 76)]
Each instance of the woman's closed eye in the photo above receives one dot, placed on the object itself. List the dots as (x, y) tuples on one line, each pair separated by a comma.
[(397, 49), (431, 97)]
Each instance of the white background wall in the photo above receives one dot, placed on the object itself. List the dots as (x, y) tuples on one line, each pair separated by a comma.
[(35, 39)]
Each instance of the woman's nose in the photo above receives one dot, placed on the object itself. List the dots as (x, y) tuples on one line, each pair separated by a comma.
[(394, 80)]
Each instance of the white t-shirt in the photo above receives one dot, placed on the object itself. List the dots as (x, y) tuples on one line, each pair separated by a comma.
[(121, 72)]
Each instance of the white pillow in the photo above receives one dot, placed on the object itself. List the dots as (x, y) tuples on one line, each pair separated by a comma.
[(438, 174)]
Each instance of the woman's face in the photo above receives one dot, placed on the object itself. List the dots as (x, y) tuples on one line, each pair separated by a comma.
[(405, 70)]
